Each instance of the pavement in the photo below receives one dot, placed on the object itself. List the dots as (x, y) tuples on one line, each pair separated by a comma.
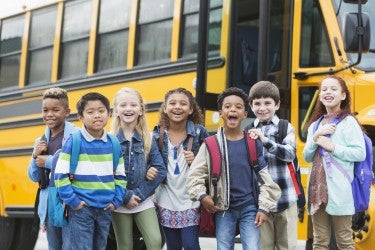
[(205, 243)]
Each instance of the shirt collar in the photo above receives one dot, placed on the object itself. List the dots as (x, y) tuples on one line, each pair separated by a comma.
[(275, 120), (91, 138)]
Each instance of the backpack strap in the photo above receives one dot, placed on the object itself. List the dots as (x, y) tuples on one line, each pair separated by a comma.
[(216, 163), (283, 130), (252, 151), (161, 138), (116, 151), (190, 143), (74, 157)]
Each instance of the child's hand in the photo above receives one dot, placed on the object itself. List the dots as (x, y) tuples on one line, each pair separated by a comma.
[(152, 173), (189, 156), (133, 202), (40, 147), (260, 218), (326, 129), (256, 133), (41, 160), (325, 143), (81, 205), (110, 207), (209, 205)]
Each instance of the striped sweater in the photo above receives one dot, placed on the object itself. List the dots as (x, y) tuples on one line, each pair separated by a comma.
[(95, 181)]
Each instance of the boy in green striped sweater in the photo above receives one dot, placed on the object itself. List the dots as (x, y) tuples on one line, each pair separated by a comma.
[(97, 187)]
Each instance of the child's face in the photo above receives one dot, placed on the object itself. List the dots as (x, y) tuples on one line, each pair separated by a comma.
[(177, 107), (264, 108), (233, 111), (95, 117), (331, 94), (54, 113), (128, 108)]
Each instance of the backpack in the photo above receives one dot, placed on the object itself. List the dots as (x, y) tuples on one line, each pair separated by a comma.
[(207, 220), (57, 210), (363, 175), (294, 169)]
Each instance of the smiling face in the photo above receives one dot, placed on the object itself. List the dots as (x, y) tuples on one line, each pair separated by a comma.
[(128, 109), (264, 108), (95, 117), (233, 112), (54, 114), (178, 108), (331, 94)]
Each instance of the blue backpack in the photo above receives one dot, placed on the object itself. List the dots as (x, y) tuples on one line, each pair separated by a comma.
[(363, 175), (57, 211)]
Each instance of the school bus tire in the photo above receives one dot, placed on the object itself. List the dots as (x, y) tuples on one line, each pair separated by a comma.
[(7, 226), (25, 237)]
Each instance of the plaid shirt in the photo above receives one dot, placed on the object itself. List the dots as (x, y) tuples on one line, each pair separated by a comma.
[(277, 155)]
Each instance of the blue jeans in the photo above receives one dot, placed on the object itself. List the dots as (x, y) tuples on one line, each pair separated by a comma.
[(226, 222), (89, 228), (178, 238), (57, 237)]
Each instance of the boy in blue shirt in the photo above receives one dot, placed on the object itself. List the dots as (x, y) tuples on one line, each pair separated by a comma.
[(55, 111), (98, 187), (238, 200)]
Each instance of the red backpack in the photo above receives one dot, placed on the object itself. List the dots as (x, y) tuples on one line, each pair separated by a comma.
[(207, 220)]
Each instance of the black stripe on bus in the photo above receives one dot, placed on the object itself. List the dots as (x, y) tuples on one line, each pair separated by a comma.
[(102, 79)]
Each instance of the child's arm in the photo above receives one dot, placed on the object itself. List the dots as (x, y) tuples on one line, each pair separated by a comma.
[(310, 146), (33, 169), (120, 183), (284, 151), (61, 177), (147, 187), (198, 175), (352, 148), (269, 191)]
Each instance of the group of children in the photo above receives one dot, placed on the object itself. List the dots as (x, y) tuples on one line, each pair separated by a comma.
[(164, 178)]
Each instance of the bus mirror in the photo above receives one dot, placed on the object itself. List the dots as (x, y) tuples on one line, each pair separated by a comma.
[(352, 30)]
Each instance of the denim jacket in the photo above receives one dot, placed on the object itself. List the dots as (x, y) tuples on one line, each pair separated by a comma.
[(136, 165), (196, 130)]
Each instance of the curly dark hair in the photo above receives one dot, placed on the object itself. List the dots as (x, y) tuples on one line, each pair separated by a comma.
[(196, 116), (233, 91)]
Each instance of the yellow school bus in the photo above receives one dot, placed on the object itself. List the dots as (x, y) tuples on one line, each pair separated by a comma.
[(156, 45)]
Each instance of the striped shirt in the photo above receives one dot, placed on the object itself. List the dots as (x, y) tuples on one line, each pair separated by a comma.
[(95, 181)]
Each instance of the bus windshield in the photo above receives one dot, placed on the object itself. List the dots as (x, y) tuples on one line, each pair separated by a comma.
[(368, 59)]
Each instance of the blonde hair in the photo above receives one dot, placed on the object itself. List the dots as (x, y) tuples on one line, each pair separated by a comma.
[(141, 126)]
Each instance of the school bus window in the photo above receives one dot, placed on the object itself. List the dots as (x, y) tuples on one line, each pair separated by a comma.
[(190, 19), (315, 47), (74, 47), (214, 32), (42, 32), (154, 31), (10, 51), (112, 40)]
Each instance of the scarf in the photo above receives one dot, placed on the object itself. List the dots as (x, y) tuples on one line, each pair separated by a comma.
[(317, 191)]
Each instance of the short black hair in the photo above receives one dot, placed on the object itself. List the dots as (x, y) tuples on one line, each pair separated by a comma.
[(92, 96), (232, 91)]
